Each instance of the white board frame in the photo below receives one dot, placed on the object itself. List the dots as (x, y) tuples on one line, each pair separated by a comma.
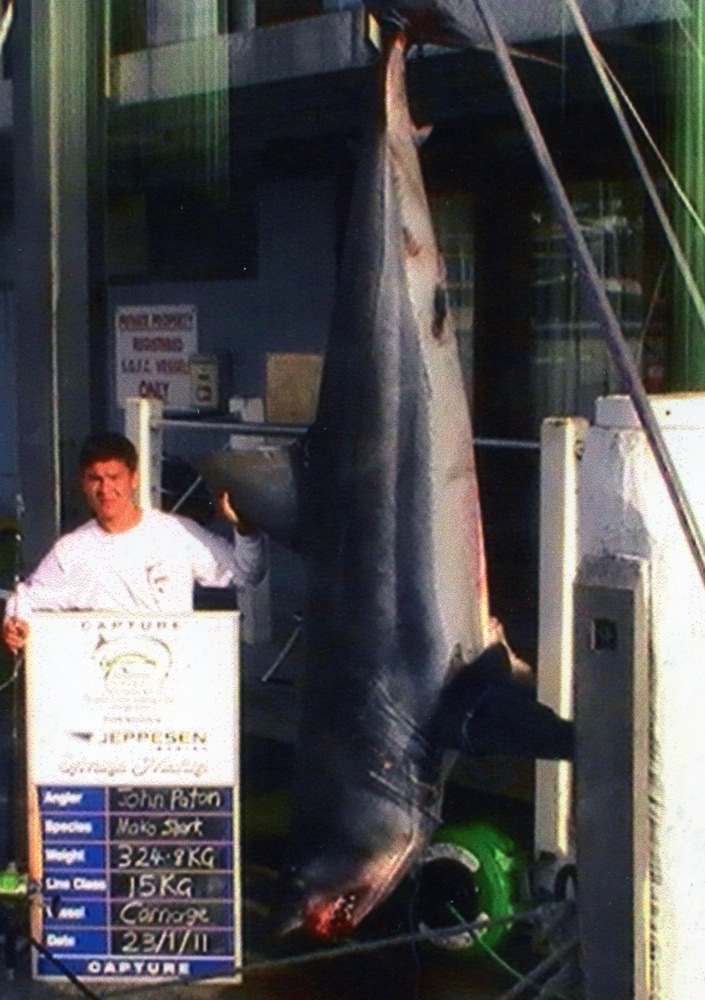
[(117, 700)]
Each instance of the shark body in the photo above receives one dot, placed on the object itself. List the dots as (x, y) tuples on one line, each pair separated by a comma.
[(381, 500)]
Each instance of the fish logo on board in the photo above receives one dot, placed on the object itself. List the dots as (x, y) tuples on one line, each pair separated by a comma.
[(136, 664)]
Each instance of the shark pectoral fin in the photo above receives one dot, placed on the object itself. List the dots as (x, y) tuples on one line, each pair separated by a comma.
[(506, 719), (484, 711), (262, 484)]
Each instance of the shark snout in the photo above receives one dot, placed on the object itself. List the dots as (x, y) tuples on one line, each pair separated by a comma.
[(329, 897), (326, 900)]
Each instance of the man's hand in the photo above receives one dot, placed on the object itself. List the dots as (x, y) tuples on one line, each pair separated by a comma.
[(227, 511), (14, 633)]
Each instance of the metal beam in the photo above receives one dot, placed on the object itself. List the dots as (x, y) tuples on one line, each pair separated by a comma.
[(524, 21), (305, 48)]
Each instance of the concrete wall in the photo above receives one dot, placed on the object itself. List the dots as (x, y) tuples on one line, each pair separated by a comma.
[(286, 308), (625, 512)]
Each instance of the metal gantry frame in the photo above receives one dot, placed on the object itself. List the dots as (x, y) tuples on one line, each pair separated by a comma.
[(145, 423)]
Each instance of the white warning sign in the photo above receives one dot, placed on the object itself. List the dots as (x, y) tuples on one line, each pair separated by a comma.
[(153, 345)]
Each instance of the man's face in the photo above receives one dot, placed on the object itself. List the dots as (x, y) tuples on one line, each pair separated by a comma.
[(108, 488)]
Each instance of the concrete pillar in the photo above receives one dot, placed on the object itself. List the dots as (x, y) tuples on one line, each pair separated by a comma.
[(57, 95)]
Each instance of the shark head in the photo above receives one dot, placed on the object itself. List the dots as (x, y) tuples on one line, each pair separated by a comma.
[(331, 895), (351, 856)]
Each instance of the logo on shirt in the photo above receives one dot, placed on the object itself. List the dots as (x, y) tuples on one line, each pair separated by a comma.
[(158, 578)]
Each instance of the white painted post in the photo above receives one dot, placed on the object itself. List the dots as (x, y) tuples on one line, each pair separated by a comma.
[(561, 443), (143, 427)]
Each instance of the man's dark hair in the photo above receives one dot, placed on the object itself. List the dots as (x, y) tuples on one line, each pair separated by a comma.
[(107, 447)]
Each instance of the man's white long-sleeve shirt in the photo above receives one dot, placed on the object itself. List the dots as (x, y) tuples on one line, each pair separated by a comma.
[(149, 568)]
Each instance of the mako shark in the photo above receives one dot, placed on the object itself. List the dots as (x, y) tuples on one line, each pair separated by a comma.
[(403, 661)]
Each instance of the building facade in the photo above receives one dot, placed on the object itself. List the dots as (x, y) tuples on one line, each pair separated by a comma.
[(160, 154)]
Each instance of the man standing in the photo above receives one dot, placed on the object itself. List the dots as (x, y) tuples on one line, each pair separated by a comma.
[(127, 559)]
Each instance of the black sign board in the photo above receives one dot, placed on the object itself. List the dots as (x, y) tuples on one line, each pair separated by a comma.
[(139, 880)]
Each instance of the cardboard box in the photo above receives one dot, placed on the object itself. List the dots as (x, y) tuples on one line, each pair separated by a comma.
[(293, 381)]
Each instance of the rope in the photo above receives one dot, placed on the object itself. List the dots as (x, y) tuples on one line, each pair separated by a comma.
[(663, 162), (599, 66), (351, 950), (63, 969), (532, 979), (14, 676)]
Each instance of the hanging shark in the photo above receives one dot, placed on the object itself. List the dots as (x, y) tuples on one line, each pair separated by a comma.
[(403, 661)]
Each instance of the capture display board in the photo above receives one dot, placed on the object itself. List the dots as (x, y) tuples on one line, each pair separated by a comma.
[(133, 767)]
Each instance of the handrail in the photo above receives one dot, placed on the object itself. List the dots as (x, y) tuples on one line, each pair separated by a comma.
[(298, 430)]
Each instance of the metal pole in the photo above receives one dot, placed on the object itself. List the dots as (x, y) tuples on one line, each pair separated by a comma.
[(298, 430)]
